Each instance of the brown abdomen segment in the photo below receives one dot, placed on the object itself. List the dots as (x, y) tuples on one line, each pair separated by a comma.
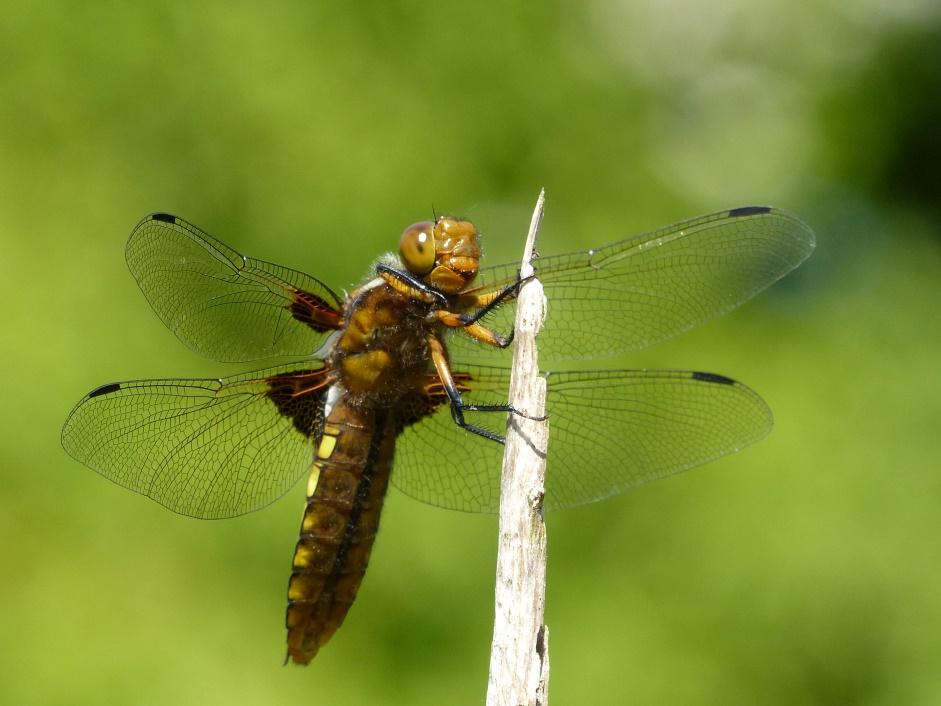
[(344, 498)]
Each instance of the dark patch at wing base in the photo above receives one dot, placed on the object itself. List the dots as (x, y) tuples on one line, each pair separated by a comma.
[(299, 395), (315, 311), (415, 406)]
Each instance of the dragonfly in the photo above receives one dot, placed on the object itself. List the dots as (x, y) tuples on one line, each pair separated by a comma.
[(396, 380)]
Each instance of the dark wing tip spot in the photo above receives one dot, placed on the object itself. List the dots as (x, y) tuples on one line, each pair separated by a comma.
[(713, 377), (105, 389), (165, 217), (749, 211)]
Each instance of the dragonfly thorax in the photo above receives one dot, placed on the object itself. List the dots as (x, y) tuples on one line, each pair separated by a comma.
[(382, 352)]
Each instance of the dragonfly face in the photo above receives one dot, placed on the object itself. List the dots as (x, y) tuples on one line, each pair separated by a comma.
[(396, 381), (445, 253)]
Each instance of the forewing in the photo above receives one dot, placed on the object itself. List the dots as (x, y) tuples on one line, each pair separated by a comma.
[(203, 448), (223, 305), (637, 292), (609, 430)]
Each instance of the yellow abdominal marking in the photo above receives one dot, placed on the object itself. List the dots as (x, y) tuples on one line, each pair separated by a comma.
[(312, 479), (325, 450), (328, 443), (302, 556)]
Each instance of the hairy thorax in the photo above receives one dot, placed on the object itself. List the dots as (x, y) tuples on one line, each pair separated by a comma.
[(382, 353)]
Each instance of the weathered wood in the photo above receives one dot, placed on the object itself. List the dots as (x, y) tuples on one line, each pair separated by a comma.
[(519, 657)]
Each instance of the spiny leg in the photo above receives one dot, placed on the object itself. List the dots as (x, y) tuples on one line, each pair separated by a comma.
[(458, 406), (470, 322), (410, 285), (474, 330), (489, 302)]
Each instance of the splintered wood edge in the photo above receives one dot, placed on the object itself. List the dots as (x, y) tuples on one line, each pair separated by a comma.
[(519, 657)]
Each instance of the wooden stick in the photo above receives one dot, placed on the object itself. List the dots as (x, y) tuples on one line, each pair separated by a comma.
[(519, 656)]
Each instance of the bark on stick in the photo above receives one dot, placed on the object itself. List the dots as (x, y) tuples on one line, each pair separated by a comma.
[(519, 657)]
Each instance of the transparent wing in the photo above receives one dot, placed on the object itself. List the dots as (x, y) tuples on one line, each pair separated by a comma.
[(203, 448), (637, 292), (223, 305), (609, 430)]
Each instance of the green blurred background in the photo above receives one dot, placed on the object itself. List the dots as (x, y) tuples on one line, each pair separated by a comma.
[(806, 570)]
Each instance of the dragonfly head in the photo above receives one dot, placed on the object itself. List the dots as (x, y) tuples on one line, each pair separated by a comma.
[(445, 253)]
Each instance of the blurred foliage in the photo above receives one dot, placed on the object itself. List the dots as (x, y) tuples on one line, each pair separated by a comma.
[(805, 570)]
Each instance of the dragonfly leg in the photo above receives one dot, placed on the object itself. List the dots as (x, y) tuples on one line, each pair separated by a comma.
[(488, 302), (502, 408), (470, 322), (409, 285), (458, 405), (477, 330)]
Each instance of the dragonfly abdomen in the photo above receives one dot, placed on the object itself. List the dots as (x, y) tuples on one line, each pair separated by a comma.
[(347, 486)]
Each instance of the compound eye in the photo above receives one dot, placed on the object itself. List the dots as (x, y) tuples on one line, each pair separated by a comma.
[(417, 247)]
